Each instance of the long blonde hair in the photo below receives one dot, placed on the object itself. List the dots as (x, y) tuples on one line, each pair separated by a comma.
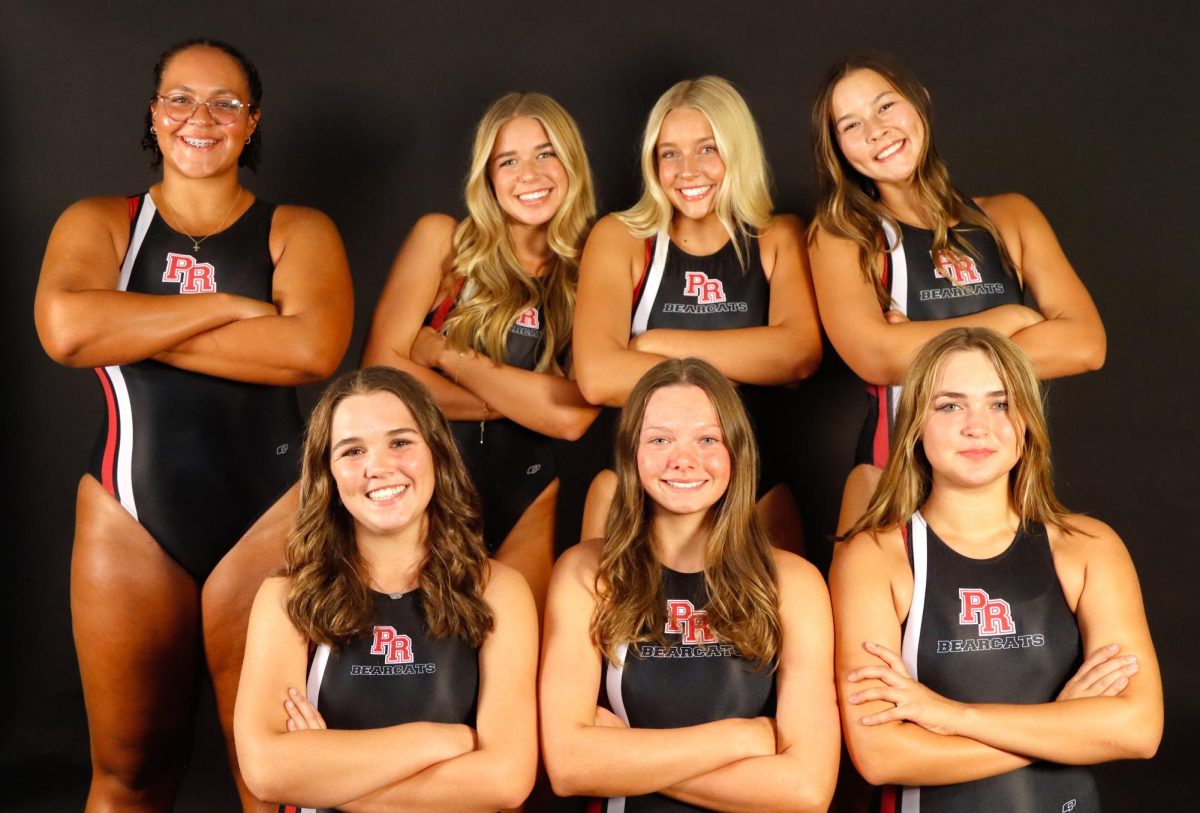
[(848, 202), (908, 477), (743, 203), (496, 288), (739, 568), (330, 597)]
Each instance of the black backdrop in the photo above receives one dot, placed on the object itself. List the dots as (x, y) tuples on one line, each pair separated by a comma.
[(1089, 109)]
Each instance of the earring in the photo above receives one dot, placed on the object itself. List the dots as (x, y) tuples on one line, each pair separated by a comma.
[(248, 139), (153, 130)]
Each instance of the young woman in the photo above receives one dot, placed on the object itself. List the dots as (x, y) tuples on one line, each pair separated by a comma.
[(967, 575), (710, 651), (420, 684), (699, 267), (480, 312), (886, 204), (202, 420)]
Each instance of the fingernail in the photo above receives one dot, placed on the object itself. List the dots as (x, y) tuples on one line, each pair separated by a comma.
[(1131, 659), (1133, 667), (869, 645), (853, 698), (290, 704), (1113, 647), (293, 692)]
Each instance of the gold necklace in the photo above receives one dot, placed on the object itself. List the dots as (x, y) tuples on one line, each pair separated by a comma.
[(196, 241)]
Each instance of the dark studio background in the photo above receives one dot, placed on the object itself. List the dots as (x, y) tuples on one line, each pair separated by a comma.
[(1088, 109)]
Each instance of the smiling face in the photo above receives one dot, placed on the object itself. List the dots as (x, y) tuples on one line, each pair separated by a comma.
[(527, 174), (879, 131), (381, 464), (970, 436), (690, 169), (199, 147), (682, 459)]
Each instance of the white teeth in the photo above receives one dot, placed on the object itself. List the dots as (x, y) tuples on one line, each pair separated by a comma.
[(530, 197), (677, 484), (890, 151), (381, 494), (695, 192), (199, 142)]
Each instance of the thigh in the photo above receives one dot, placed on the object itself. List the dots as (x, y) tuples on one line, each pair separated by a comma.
[(135, 616), (529, 546), (781, 519)]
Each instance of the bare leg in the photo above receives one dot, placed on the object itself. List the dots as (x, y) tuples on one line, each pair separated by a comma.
[(595, 508), (529, 546), (856, 494), (226, 601), (135, 616), (780, 517)]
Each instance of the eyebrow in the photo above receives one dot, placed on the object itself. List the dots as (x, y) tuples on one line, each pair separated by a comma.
[(186, 89), (509, 153), (948, 394), (670, 429), (403, 430), (873, 101)]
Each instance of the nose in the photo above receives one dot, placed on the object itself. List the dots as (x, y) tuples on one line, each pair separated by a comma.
[(688, 165), (378, 463), (977, 423), (196, 113), (876, 129), (682, 457), (527, 170)]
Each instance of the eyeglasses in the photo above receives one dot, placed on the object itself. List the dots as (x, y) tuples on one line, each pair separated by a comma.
[(181, 107)]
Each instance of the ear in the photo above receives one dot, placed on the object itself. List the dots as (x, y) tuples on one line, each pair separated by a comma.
[(252, 121)]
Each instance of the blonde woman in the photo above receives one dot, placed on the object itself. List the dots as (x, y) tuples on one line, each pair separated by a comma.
[(900, 255), (710, 651), (480, 312), (392, 665), (967, 598), (699, 267)]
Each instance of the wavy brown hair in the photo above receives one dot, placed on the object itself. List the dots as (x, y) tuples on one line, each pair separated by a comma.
[(908, 477), (496, 288), (330, 599), (739, 568), (848, 202)]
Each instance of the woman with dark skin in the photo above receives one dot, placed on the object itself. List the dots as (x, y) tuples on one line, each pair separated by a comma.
[(201, 308)]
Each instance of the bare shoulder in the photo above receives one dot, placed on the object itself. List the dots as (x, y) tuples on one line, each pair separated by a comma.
[(505, 583), (435, 227), (291, 219), (105, 208), (274, 590), (1008, 208), (609, 231), (869, 552), (581, 560), (1086, 539), (784, 229), (797, 573)]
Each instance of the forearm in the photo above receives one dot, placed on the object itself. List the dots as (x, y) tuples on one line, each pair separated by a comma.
[(328, 767), (103, 327), (456, 403), (273, 350), (1063, 346), (482, 781), (903, 753), (543, 402), (606, 377), (772, 783), (1084, 731), (769, 356), (609, 761)]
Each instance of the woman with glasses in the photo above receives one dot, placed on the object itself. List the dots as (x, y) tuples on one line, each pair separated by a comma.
[(200, 308), (990, 644), (480, 310)]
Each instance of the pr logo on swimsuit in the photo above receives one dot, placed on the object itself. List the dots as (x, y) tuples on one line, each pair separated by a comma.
[(281, 448), (534, 469), (530, 318), (957, 268), (394, 648), (1068, 807), (697, 284), (684, 620), (993, 616), (191, 276)]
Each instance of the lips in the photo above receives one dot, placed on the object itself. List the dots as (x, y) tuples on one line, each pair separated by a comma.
[(891, 149), (977, 454), (385, 493), (694, 192), (685, 485), (534, 197), (199, 143)]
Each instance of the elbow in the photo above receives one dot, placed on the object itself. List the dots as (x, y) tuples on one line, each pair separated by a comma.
[(1095, 354), (575, 425), (876, 767), (1141, 739), (61, 342), (807, 363), (259, 781), (568, 777), (595, 391)]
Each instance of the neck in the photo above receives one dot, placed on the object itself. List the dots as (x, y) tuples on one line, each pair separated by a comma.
[(981, 517), (532, 244), (700, 236), (901, 200), (680, 540), (200, 202), (394, 562)]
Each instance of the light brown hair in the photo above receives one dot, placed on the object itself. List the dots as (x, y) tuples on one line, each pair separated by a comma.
[(908, 477), (330, 598), (848, 202), (739, 568)]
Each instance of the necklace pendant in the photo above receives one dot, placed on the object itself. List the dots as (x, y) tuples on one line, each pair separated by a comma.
[(195, 247)]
